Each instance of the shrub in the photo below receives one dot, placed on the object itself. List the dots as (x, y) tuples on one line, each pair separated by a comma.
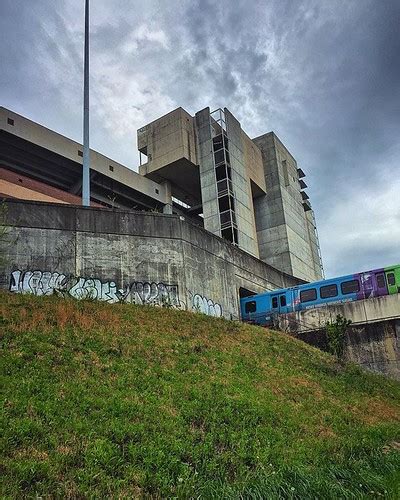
[(336, 335)]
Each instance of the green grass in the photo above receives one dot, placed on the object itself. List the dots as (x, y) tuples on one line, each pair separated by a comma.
[(125, 401)]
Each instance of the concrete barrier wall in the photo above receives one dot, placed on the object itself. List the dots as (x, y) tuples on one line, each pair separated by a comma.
[(372, 340), (359, 312), (136, 257), (374, 346)]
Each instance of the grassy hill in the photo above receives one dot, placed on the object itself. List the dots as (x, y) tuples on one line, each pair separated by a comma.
[(125, 401)]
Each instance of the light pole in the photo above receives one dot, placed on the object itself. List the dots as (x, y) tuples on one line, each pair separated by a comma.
[(86, 151)]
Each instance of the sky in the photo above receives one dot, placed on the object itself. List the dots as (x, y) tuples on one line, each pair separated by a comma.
[(324, 75)]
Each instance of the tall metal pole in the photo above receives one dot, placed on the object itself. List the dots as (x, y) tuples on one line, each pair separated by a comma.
[(86, 151)]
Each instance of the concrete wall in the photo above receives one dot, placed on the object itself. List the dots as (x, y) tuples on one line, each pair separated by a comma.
[(283, 230), (372, 340), (136, 257), (373, 346), (241, 187), (170, 149), (166, 140), (376, 347), (208, 184), (359, 312), (253, 164), (314, 244)]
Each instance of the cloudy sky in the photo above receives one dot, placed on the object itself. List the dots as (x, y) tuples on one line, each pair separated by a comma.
[(323, 74)]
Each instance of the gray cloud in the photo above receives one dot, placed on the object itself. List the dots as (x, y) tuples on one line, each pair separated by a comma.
[(323, 74)]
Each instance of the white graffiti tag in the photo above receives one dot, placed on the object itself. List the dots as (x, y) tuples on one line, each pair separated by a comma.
[(153, 293), (206, 306), (138, 292), (96, 290), (37, 282)]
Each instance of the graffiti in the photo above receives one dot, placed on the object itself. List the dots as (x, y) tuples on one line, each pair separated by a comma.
[(153, 293), (37, 282), (94, 289), (137, 292), (206, 306)]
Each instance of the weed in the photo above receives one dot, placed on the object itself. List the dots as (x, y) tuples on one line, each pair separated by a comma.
[(336, 335)]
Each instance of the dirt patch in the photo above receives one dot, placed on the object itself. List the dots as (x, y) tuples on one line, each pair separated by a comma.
[(313, 387), (31, 453), (393, 446), (375, 411), (325, 432)]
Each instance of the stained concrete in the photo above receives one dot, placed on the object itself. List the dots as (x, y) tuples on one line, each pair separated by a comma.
[(286, 233), (373, 338), (359, 312), (112, 250), (373, 346)]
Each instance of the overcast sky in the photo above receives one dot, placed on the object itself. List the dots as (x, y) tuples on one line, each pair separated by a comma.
[(323, 74)]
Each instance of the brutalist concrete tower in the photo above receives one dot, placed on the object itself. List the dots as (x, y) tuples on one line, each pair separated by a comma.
[(249, 192), (286, 229)]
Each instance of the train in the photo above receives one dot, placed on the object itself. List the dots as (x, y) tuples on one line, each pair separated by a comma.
[(261, 309)]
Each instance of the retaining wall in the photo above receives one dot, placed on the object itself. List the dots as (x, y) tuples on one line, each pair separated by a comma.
[(374, 346), (141, 257)]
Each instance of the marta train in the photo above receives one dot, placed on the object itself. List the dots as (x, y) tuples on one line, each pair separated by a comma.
[(262, 308)]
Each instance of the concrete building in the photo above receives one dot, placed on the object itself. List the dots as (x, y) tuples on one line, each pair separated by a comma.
[(250, 192), (286, 228), (39, 164), (202, 167)]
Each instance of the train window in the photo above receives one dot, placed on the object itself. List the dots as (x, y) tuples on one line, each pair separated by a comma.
[(390, 278), (283, 300), (274, 302), (352, 286), (380, 279), (328, 291), (308, 295), (250, 307)]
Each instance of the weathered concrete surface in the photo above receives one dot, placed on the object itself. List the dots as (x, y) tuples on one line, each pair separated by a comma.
[(374, 346), (359, 312), (139, 257), (286, 234), (169, 146), (373, 338)]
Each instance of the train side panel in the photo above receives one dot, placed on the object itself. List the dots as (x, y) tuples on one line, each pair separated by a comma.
[(256, 308), (336, 290), (393, 279), (373, 284)]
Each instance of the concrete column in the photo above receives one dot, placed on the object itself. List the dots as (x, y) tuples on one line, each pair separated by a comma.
[(167, 209)]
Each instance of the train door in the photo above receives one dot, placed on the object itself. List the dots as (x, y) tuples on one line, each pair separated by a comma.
[(278, 303), (391, 281), (381, 286), (367, 284)]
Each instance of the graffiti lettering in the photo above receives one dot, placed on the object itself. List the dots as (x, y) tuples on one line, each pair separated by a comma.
[(138, 292), (153, 293), (94, 289), (37, 282), (206, 306)]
